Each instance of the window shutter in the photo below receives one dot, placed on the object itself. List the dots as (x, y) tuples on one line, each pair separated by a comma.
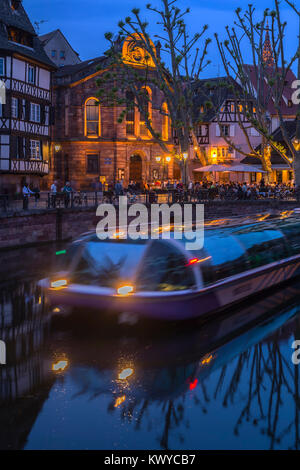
[(52, 116), (27, 149), (20, 107), (232, 130), (42, 114), (6, 108), (13, 146), (218, 130), (27, 110), (20, 147)]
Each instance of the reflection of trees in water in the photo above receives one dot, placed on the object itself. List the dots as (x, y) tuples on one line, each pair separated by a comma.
[(272, 379), (262, 376)]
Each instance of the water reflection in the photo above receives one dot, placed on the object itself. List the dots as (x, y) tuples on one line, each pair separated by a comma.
[(227, 384)]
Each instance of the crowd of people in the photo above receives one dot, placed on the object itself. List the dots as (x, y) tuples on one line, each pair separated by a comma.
[(200, 190)]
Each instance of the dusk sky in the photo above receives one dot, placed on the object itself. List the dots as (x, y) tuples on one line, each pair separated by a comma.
[(84, 22)]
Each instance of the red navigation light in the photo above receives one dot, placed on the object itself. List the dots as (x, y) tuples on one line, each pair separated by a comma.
[(197, 260), (193, 384)]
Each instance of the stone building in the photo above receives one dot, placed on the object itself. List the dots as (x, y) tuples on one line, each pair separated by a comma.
[(25, 114), (90, 143)]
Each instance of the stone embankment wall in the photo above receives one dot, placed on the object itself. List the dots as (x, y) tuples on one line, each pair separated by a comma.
[(42, 226)]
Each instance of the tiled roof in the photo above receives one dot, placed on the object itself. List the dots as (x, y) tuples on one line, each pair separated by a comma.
[(276, 159), (73, 73), (286, 96), (19, 19)]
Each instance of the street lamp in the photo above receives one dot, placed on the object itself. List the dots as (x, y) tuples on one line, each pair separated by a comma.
[(163, 160), (296, 144), (57, 147)]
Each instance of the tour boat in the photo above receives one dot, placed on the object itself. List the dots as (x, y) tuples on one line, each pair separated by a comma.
[(161, 279)]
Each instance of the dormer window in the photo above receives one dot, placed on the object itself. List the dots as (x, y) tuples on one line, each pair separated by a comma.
[(15, 4), (20, 37)]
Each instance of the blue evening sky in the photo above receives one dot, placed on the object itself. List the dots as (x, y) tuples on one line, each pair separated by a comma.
[(84, 22)]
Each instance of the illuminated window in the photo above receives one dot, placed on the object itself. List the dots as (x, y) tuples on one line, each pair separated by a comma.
[(92, 118), (147, 110), (165, 122), (130, 113), (35, 149)]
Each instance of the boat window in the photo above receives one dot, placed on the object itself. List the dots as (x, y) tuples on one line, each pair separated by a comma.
[(164, 268), (292, 234), (105, 263), (263, 246), (226, 256)]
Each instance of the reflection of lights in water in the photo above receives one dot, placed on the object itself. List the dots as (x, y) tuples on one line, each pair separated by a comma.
[(207, 360), (119, 401), (263, 217), (216, 222), (125, 373), (40, 300), (285, 214), (193, 384), (60, 366)]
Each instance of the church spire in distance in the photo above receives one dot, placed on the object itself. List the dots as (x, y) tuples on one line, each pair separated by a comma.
[(267, 55)]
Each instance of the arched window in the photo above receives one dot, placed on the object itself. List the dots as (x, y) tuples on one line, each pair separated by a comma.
[(165, 122), (147, 108), (92, 118), (130, 113)]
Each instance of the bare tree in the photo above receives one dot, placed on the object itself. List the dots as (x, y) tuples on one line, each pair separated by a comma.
[(178, 64), (265, 81)]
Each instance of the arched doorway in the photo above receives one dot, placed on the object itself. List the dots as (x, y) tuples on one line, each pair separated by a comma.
[(135, 168), (176, 171)]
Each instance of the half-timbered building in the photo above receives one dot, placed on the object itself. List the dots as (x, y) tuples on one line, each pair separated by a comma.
[(25, 113)]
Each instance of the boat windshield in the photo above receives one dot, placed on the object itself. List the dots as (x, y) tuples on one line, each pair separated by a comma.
[(165, 268), (105, 262)]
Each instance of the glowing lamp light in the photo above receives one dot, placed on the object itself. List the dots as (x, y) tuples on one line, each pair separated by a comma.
[(57, 148), (296, 144), (158, 159), (125, 290), (185, 155), (125, 373), (60, 366), (197, 260), (59, 284), (168, 159)]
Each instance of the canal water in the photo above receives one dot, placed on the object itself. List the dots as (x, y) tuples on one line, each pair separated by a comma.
[(229, 384)]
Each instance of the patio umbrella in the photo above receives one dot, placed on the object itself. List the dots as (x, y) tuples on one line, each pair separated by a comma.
[(213, 167), (242, 168)]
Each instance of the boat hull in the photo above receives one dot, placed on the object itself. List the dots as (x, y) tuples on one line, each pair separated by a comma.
[(178, 305)]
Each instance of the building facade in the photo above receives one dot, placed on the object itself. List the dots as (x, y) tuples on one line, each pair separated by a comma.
[(90, 143), (25, 114), (59, 49)]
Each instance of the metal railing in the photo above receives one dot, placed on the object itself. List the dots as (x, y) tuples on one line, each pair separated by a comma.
[(81, 199)]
